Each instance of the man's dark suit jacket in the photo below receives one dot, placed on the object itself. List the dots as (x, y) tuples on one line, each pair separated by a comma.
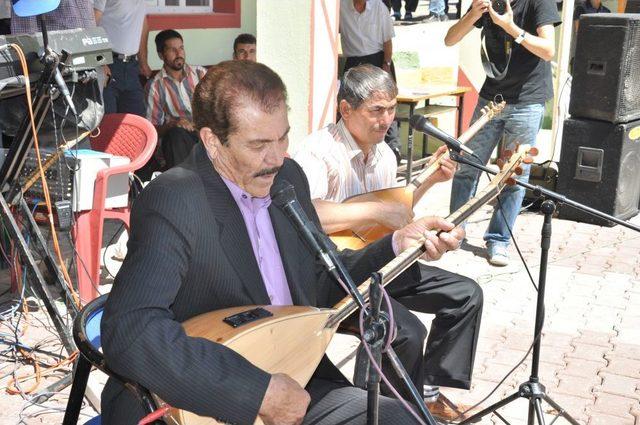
[(189, 253)]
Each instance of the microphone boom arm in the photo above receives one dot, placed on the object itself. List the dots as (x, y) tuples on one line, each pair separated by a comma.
[(549, 194)]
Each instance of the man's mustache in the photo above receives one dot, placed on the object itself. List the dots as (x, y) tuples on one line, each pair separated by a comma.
[(267, 171)]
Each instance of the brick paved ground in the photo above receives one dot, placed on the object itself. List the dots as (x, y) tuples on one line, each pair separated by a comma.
[(590, 359)]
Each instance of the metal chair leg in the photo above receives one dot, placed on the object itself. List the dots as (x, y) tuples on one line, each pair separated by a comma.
[(80, 379)]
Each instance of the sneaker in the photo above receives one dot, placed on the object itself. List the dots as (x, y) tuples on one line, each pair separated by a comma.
[(498, 256), (430, 393), (396, 16), (443, 17), (408, 16), (432, 18), (444, 409)]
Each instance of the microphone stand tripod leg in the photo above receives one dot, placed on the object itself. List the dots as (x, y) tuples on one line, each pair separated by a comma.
[(533, 390), (418, 400), (375, 331)]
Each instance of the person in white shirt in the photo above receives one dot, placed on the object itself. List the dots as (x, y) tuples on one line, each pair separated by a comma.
[(125, 22), (349, 158), (366, 32)]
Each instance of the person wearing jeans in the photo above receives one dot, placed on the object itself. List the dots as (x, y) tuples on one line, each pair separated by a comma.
[(526, 44), (437, 11), (124, 92), (519, 124)]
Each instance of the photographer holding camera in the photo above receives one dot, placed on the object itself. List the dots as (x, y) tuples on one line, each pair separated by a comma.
[(520, 42)]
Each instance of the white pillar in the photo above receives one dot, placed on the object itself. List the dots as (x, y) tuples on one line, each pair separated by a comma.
[(299, 40)]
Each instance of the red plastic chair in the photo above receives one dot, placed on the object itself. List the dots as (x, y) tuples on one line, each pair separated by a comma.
[(122, 135)]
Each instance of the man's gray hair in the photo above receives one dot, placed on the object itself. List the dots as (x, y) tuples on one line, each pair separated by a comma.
[(363, 81)]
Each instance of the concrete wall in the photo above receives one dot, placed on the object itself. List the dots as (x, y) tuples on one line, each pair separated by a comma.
[(285, 38), (210, 46), (324, 63)]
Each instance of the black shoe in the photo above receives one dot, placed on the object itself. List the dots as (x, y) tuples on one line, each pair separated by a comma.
[(408, 17)]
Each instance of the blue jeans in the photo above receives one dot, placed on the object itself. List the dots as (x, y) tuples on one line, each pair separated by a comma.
[(436, 7), (124, 92), (519, 124)]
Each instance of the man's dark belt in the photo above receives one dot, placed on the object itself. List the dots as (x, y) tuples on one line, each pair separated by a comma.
[(375, 59), (125, 58)]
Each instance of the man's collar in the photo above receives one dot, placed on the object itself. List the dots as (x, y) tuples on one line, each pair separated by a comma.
[(241, 196), (185, 72), (352, 147)]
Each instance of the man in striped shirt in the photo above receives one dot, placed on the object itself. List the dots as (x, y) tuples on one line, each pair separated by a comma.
[(350, 158), (169, 96)]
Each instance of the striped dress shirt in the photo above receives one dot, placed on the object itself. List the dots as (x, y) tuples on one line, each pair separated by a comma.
[(168, 98), (335, 165)]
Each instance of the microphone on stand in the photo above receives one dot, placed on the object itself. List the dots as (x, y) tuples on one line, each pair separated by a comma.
[(420, 123), (64, 90), (283, 195)]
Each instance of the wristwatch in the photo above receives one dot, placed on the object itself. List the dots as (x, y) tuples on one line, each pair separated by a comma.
[(520, 38)]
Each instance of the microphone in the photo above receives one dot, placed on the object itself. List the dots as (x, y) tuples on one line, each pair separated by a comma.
[(64, 90), (283, 195), (420, 123)]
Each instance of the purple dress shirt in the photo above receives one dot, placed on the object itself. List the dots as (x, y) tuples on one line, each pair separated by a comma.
[(263, 240)]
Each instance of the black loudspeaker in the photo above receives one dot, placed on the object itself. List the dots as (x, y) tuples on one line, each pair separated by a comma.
[(633, 6), (606, 68), (600, 167)]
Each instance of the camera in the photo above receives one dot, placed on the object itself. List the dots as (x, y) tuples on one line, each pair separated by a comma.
[(500, 6)]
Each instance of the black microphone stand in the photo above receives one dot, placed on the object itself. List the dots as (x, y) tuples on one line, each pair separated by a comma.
[(533, 389), (376, 329), (374, 336)]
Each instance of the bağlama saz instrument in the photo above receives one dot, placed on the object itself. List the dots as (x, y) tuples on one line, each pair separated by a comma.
[(293, 339)]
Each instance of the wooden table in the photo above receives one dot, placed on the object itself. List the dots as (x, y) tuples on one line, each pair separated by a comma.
[(414, 96)]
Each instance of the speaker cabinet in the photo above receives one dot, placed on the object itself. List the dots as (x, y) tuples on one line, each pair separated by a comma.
[(633, 6), (600, 167), (606, 68)]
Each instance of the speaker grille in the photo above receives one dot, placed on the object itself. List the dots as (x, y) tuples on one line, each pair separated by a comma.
[(633, 6), (630, 84), (606, 72), (609, 184)]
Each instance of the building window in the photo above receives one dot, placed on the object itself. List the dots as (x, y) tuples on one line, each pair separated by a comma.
[(179, 6), (187, 14)]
